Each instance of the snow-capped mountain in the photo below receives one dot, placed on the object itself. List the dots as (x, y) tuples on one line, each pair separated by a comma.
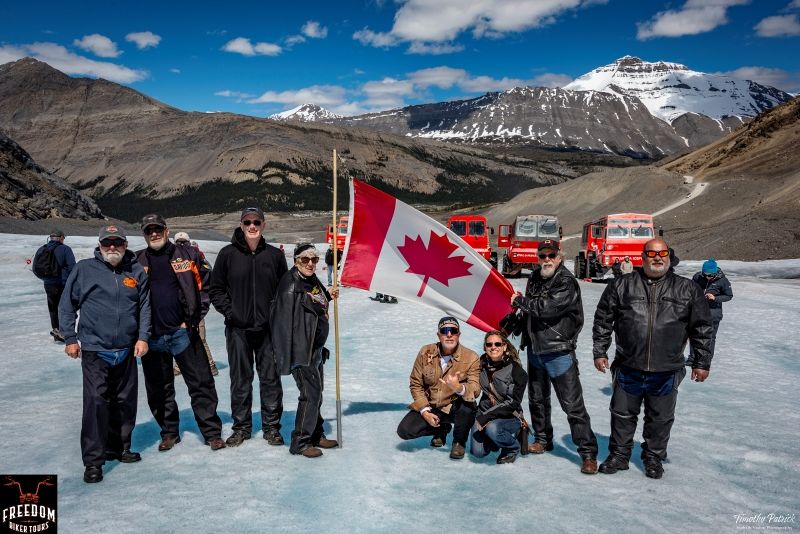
[(670, 90), (306, 113)]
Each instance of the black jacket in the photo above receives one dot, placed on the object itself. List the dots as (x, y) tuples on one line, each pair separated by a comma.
[(553, 310), (193, 274), (651, 321), (720, 287), (505, 399), (295, 320), (243, 283)]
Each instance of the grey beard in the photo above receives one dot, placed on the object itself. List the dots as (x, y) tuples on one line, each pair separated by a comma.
[(548, 272), (157, 246), (113, 258)]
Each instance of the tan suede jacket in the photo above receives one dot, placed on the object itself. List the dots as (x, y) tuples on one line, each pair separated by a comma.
[(426, 387)]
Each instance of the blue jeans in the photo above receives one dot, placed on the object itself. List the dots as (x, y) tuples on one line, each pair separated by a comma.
[(499, 434), (173, 343), (640, 383), (555, 363)]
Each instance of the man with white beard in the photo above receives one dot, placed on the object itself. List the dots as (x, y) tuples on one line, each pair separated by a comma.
[(179, 300), (652, 314), (112, 293), (553, 314)]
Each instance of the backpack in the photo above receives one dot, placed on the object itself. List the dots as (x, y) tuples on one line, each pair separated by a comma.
[(45, 264)]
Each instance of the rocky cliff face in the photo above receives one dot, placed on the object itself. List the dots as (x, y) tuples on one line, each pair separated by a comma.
[(135, 154), (29, 192)]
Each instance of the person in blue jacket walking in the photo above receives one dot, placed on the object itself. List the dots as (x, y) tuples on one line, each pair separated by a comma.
[(54, 281)]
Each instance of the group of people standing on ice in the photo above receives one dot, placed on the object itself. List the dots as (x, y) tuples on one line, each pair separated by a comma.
[(151, 304)]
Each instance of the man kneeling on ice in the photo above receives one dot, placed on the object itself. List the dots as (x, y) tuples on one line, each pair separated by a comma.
[(444, 383)]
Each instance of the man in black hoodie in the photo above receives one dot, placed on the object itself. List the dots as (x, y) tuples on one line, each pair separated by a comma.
[(243, 284), (178, 301)]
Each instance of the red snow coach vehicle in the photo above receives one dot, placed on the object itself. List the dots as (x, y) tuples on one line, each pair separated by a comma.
[(611, 239), (474, 231), (341, 236), (521, 240)]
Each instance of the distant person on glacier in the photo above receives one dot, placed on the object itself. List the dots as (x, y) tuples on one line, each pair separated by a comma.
[(444, 383), (716, 289), (52, 264)]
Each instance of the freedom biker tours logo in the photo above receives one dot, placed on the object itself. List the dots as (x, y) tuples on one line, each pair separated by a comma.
[(29, 503)]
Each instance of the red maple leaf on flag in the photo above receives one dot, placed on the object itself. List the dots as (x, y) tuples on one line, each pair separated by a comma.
[(433, 261)]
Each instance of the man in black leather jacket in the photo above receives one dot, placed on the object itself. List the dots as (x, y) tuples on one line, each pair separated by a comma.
[(652, 312), (553, 312)]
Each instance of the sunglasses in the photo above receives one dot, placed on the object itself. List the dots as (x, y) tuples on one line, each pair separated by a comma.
[(112, 243), (552, 256), (495, 344), (305, 260), (153, 230), (449, 330), (654, 253), (248, 222)]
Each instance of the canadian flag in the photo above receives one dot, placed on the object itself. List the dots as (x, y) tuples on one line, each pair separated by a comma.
[(393, 248)]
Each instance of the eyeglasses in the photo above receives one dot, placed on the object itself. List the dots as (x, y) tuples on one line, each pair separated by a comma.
[(305, 260), (495, 344), (552, 256), (654, 253), (248, 222), (153, 230), (112, 243), (449, 330)]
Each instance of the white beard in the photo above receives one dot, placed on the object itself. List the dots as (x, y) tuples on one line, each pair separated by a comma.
[(113, 257), (548, 271), (656, 271), (157, 244)]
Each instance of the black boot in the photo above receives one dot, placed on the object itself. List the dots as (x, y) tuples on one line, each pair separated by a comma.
[(613, 464), (653, 467), (92, 474)]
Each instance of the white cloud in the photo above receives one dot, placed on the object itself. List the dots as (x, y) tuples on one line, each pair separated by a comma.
[(550, 79), (432, 25), (387, 93), (294, 39), (60, 58), (696, 16), (782, 79), (242, 45), (227, 93), (778, 26), (143, 39), (99, 45), (795, 4), (322, 95), (447, 77), (314, 30), (441, 77), (175, 71)]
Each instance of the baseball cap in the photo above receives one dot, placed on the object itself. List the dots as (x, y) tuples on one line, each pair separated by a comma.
[(182, 236), (56, 233), (153, 219), (448, 320), (548, 244), (112, 231), (252, 211), (302, 247)]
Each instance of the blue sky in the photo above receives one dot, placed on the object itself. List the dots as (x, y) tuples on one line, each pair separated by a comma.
[(259, 58)]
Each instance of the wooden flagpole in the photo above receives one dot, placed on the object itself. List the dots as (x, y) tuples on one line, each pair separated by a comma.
[(335, 246)]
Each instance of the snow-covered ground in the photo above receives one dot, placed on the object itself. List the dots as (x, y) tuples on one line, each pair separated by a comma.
[(732, 453)]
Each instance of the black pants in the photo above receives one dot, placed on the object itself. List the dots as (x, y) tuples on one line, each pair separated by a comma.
[(570, 395), (53, 292), (462, 415), (308, 423), (659, 414), (159, 381), (246, 348), (109, 406)]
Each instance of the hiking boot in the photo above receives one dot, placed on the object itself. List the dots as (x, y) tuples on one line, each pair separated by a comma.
[(537, 447), (507, 458), (653, 467), (457, 452), (92, 474), (237, 438), (273, 437), (436, 441), (215, 444), (126, 456), (325, 443), (167, 442), (57, 337), (213, 366), (589, 466), (311, 452), (613, 464)]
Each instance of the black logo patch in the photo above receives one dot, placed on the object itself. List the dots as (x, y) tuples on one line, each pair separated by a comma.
[(28, 503)]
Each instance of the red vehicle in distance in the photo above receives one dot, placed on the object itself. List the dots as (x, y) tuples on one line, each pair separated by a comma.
[(475, 232), (341, 237), (610, 239), (521, 241)]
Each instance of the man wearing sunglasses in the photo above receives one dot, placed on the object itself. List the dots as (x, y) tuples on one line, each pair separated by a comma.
[(112, 292), (179, 300), (652, 313), (445, 382), (243, 284), (553, 314)]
